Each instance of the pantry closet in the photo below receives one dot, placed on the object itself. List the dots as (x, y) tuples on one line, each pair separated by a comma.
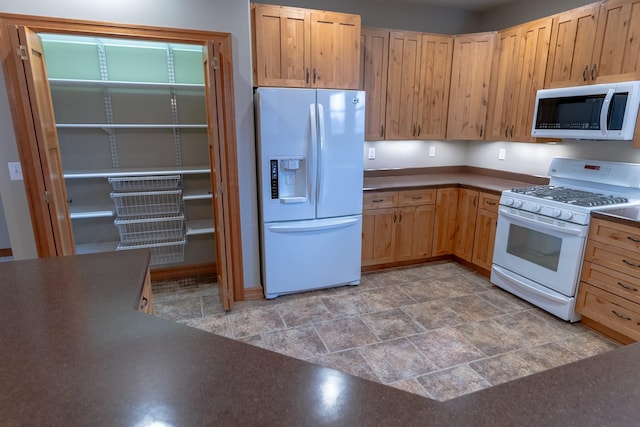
[(146, 146)]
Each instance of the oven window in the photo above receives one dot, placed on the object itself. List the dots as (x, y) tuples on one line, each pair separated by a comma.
[(534, 246)]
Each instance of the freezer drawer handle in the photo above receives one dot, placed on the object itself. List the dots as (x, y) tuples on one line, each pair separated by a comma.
[(313, 226), (293, 199)]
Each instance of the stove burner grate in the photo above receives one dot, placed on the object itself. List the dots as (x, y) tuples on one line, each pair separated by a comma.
[(569, 195)]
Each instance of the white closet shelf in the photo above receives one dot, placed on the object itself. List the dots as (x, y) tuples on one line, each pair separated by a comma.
[(196, 195), (200, 226), (106, 173), (129, 126), (87, 212), (91, 248), (124, 84)]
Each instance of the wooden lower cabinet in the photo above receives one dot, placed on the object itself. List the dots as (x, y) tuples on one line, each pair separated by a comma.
[(397, 226), (609, 292), (444, 228), (466, 223), (485, 234)]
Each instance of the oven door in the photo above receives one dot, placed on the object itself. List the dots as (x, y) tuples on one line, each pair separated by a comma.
[(541, 249)]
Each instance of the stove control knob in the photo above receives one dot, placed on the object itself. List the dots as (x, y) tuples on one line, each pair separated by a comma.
[(556, 213), (567, 215), (517, 204), (536, 208), (508, 201)]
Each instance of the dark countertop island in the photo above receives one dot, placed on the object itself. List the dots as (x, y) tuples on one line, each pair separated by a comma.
[(75, 351)]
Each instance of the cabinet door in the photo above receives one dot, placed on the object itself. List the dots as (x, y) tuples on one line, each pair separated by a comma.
[(374, 54), (533, 53), (402, 86), (281, 46), (335, 50), (484, 238), (616, 55), (504, 73), (470, 72), (444, 225), (435, 77), (572, 37), (466, 220), (378, 236), (414, 232)]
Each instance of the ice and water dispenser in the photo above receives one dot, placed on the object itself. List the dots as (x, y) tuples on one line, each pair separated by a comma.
[(289, 179)]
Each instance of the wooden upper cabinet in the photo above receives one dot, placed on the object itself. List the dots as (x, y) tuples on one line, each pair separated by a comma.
[(281, 46), (335, 50), (572, 39), (295, 47), (616, 52), (402, 86), (518, 71), (435, 77), (470, 73), (374, 56)]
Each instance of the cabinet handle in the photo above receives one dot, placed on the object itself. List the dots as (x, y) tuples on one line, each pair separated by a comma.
[(395, 217), (630, 263), (400, 220), (584, 72), (377, 200), (381, 130), (314, 75), (620, 315), (474, 201), (505, 131), (511, 132), (69, 201), (416, 198), (414, 130), (627, 287), (593, 72), (145, 303), (491, 202), (419, 129), (307, 73), (481, 130), (633, 239)]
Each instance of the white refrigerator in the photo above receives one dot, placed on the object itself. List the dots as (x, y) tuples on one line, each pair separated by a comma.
[(310, 145)]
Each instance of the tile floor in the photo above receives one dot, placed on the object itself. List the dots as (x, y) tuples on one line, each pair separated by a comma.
[(438, 330)]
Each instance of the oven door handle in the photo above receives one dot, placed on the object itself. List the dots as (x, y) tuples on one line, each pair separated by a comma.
[(539, 225)]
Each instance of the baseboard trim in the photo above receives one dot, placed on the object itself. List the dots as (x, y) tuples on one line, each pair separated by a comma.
[(606, 331), (255, 293), (6, 252), (391, 265), (185, 271)]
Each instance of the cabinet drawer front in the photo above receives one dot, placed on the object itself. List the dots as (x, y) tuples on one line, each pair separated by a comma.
[(489, 202), (380, 200), (417, 197), (623, 236), (610, 310), (613, 257), (613, 281)]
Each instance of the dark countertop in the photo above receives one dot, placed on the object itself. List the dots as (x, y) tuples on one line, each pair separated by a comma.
[(478, 178), (76, 352)]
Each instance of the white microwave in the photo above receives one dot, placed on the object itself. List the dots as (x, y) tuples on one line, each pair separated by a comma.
[(604, 111)]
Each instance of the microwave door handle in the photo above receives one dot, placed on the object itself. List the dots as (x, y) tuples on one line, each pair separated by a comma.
[(604, 112)]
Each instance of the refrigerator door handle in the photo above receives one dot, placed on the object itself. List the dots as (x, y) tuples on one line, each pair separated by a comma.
[(318, 225), (321, 171), (311, 173)]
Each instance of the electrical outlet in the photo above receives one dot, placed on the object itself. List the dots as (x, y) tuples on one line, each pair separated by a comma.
[(372, 153), (15, 171), (432, 151), (501, 154)]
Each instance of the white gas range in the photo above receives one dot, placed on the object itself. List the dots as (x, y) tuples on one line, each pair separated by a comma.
[(542, 230)]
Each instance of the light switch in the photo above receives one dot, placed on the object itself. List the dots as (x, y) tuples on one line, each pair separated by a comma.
[(501, 154), (15, 171), (372, 153), (432, 151)]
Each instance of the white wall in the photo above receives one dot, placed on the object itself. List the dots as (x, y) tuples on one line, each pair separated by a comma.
[(5, 242), (212, 15)]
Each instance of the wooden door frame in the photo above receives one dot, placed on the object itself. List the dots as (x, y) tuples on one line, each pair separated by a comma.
[(27, 144)]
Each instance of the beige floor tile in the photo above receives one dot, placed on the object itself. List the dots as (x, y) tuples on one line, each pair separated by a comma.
[(345, 333), (258, 321), (463, 284), (547, 356), (302, 342), (502, 368), (383, 279), (588, 344), (349, 361), (433, 315), (489, 337), (453, 382), (211, 305), (390, 324), (531, 329), (179, 309), (345, 304), (433, 271), (303, 311), (473, 308), (446, 348), (386, 298), (216, 324), (507, 302), (396, 360), (428, 290)]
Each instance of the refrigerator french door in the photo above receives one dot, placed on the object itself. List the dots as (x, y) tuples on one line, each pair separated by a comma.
[(310, 164)]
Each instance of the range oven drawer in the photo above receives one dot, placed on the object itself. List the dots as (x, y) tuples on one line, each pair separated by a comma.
[(610, 310)]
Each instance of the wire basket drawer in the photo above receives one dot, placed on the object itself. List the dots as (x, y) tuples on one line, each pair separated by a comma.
[(146, 183), (150, 228), (161, 252), (142, 203)]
